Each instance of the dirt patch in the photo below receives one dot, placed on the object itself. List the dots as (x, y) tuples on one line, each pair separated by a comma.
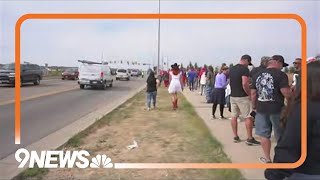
[(163, 136)]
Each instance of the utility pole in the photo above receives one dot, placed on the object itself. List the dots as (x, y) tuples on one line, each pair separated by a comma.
[(158, 42), (102, 57), (162, 66)]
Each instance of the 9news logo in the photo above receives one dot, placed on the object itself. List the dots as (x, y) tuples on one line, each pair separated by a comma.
[(61, 159)]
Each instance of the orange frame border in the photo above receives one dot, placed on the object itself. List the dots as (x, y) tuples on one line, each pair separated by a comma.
[(176, 16)]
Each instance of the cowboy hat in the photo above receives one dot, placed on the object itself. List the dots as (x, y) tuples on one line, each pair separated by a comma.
[(175, 66)]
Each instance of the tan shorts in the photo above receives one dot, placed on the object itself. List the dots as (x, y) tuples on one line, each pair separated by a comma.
[(240, 106)]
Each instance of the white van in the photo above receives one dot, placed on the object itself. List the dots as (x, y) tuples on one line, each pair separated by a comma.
[(123, 74), (94, 74)]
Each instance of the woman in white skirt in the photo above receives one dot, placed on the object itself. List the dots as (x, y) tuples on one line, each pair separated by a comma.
[(203, 80), (175, 84)]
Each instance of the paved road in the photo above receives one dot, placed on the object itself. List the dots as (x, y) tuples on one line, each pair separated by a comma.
[(46, 86), (43, 116)]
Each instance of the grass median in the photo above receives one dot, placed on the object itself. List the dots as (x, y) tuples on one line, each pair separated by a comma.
[(163, 136)]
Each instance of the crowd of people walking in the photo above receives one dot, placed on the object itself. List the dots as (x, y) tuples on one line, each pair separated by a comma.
[(265, 99)]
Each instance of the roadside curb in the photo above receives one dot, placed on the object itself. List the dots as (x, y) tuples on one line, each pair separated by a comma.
[(9, 166)]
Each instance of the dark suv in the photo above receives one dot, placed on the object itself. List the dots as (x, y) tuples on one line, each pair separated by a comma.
[(30, 73)]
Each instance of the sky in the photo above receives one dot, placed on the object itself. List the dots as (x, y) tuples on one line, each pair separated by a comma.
[(211, 42)]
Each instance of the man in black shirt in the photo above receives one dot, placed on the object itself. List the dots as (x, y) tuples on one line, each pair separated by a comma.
[(288, 149), (269, 88), (256, 70), (240, 98)]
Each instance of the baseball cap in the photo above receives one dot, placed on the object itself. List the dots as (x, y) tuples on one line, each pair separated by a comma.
[(247, 57), (265, 58), (280, 59)]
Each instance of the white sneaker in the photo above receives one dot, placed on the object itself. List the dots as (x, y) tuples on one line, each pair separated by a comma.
[(264, 160)]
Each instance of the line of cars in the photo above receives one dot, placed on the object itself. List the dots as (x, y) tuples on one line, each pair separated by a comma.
[(125, 74), (121, 74), (96, 74), (88, 73)]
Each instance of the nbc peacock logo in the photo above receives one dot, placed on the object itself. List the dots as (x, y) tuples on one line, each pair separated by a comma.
[(101, 161), (61, 159)]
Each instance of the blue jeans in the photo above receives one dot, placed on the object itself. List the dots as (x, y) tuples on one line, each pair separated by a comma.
[(151, 96), (264, 124), (209, 94), (191, 84), (196, 84)]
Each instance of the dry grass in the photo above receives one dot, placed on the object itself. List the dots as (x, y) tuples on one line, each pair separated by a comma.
[(163, 136)]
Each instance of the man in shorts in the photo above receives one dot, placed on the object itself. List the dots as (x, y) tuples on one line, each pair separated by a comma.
[(269, 88), (254, 71), (240, 99)]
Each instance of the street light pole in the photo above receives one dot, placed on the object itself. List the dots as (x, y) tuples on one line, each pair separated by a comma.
[(158, 66)]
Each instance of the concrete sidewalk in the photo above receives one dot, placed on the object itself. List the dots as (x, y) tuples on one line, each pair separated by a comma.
[(221, 130)]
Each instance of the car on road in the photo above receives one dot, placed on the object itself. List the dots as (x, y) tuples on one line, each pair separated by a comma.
[(123, 74), (113, 71), (70, 73), (135, 72), (29, 73), (94, 74)]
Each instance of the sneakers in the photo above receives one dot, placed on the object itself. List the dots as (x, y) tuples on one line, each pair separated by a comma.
[(264, 160), (236, 139), (221, 117), (251, 142)]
